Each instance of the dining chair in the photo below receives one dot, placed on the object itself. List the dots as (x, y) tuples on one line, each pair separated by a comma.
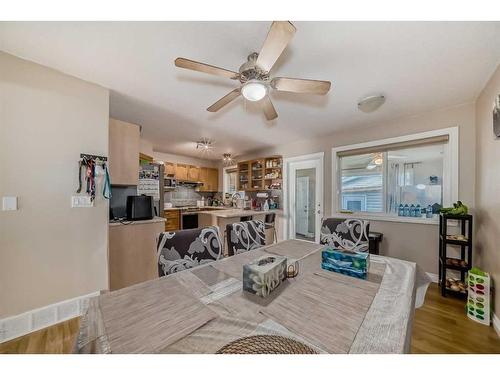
[(245, 236), (270, 223), (346, 234), (187, 248)]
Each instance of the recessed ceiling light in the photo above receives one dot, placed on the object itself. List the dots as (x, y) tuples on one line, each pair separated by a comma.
[(254, 90), (371, 103)]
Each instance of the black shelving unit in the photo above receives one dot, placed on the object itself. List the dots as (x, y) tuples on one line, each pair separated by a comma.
[(462, 264)]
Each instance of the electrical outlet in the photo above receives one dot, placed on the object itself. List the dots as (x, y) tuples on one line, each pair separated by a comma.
[(78, 201)]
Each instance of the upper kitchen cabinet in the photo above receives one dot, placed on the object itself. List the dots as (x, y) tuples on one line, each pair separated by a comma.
[(181, 172), (193, 173), (213, 179), (124, 149), (209, 177), (169, 169)]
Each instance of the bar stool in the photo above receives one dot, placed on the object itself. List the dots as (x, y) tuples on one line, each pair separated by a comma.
[(270, 223)]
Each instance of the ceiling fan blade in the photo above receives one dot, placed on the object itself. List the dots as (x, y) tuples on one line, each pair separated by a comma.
[(280, 34), (224, 100), (268, 108), (303, 86), (204, 68)]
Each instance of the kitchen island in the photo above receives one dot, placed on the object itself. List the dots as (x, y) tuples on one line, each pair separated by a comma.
[(221, 218)]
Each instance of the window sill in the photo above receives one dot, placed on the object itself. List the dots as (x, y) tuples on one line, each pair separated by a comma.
[(396, 219)]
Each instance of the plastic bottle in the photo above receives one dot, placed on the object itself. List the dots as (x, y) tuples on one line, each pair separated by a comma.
[(406, 210), (412, 210), (266, 206), (401, 210), (418, 210), (428, 212)]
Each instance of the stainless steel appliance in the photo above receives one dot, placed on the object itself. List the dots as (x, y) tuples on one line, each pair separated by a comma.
[(169, 183), (189, 217), (151, 184)]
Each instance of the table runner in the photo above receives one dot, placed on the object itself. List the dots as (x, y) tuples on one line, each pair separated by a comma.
[(377, 315)]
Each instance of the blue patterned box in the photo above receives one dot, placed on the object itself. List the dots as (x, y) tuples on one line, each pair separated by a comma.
[(345, 262)]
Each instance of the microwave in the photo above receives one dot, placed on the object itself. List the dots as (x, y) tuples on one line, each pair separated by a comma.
[(170, 183), (139, 207)]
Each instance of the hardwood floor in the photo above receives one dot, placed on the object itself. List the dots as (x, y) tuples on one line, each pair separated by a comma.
[(57, 339), (440, 326)]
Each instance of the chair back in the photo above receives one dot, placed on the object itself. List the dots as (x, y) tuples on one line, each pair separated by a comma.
[(270, 218), (246, 218), (346, 234), (245, 236), (187, 248)]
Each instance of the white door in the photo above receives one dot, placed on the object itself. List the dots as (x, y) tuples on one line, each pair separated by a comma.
[(302, 206), (304, 197)]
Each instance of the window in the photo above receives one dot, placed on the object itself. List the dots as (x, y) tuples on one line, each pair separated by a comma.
[(378, 177)]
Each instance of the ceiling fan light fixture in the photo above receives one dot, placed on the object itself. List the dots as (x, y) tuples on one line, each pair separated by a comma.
[(371, 103), (254, 90)]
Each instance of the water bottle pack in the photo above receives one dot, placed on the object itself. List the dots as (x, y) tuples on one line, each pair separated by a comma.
[(414, 210)]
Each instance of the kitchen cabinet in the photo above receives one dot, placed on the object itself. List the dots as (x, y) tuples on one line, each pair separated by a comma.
[(204, 179), (132, 253), (193, 173), (173, 220), (213, 179), (181, 172), (124, 148), (169, 169)]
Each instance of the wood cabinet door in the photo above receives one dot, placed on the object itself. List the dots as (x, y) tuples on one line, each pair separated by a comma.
[(169, 169), (213, 179), (181, 172), (124, 149), (193, 173), (204, 179)]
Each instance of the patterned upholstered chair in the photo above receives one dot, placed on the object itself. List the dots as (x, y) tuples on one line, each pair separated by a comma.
[(348, 234), (187, 248), (245, 236)]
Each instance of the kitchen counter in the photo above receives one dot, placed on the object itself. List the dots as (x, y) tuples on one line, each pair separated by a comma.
[(237, 212), (208, 208), (156, 219)]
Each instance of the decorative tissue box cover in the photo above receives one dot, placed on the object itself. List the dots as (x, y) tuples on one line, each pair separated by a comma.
[(264, 274), (345, 262)]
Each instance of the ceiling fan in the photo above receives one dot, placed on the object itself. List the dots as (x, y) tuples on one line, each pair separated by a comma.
[(254, 74)]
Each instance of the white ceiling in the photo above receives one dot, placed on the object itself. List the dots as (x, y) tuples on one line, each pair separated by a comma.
[(418, 66)]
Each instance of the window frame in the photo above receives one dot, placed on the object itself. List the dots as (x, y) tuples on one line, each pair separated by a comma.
[(225, 179), (450, 174)]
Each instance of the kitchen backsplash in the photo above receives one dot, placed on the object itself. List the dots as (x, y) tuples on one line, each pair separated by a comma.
[(185, 196)]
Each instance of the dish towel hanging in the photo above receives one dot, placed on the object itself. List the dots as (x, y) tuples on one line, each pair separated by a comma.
[(106, 190)]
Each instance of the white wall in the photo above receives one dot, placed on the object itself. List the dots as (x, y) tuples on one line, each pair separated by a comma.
[(161, 156), (487, 251), (49, 251)]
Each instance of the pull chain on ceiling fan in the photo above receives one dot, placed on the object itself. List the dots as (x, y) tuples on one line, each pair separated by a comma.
[(254, 74)]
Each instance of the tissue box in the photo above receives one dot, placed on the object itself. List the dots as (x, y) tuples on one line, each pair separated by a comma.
[(264, 274), (345, 262)]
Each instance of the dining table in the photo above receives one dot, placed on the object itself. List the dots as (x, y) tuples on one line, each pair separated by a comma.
[(204, 309)]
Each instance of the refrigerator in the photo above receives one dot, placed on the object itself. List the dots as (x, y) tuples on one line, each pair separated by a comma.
[(151, 183)]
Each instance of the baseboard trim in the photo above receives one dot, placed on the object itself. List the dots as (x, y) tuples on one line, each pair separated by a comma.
[(30, 321), (496, 324), (433, 276)]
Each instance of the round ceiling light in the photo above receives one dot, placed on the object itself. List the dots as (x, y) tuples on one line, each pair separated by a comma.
[(254, 90), (371, 103)]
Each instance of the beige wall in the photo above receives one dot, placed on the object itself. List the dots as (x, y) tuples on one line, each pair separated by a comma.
[(49, 251), (488, 185), (414, 242)]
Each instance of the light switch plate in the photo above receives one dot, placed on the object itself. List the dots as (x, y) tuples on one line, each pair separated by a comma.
[(9, 203), (78, 201)]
